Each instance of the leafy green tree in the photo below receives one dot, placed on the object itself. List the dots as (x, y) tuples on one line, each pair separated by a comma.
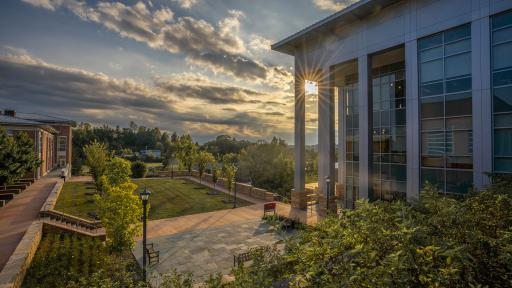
[(269, 165), (215, 174), (96, 155), (120, 210), (171, 154), (229, 169), (118, 171), (202, 160), (139, 169), (186, 152), (17, 156)]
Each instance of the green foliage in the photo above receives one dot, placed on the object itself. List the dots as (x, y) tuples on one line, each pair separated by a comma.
[(224, 144), (186, 152), (269, 166), (96, 155), (17, 156), (202, 160), (229, 169), (139, 169), (118, 171), (437, 242), (215, 173), (120, 210)]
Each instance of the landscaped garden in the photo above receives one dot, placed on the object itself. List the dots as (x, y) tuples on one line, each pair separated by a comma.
[(179, 197)]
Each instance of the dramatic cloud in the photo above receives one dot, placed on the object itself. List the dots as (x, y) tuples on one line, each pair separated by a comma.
[(187, 4), (333, 5), (218, 48), (182, 102)]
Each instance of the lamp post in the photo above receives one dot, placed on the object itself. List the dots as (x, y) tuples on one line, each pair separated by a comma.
[(328, 185), (144, 196)]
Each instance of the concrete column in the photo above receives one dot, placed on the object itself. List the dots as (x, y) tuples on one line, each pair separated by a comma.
[(482, 101), (326, 141), (412, 120), (364, 133), (298, 194)]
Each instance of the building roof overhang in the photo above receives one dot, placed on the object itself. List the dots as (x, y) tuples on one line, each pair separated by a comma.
[(354, 12)]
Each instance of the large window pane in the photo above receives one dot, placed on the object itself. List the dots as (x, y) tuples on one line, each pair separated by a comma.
[(457, 33), (459, 123), (431, 71), (458, 104), (502, 35), (502, 78), (431, 41), (433, 143), (432, 124), (458, 85), (503, 99), (502, 57), (432, 89), (431, 54), (457, 47), (503, 121), (503, 165), (458, 181), (458, 65), (503, 142), (501, 20), (434, 177), (432, 107)]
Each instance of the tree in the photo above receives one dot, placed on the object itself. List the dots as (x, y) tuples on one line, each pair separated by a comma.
[(139, 169), (215, 174), (96, 155), (118, 171), (186, 152), (120, 210), (229, 169), (17, 157), (171, 153), (202, 160)]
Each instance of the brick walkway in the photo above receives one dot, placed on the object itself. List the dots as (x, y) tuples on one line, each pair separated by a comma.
[(20, 212)]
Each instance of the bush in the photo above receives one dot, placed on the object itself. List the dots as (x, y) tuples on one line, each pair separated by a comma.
[(139, 169)]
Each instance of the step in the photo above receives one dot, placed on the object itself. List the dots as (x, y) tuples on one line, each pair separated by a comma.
[(10, 191), (7, 196)]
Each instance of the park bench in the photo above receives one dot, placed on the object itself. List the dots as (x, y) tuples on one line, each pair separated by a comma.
[(9, 191), (7, 197), (153, 255), (15, 186), (240, 258), (270, 207)]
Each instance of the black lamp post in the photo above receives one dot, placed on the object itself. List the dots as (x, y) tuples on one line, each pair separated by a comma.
[(234, 202), (328, 184), (144, 196)]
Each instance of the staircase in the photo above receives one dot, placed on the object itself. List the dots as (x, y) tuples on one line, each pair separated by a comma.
[(72, 223)]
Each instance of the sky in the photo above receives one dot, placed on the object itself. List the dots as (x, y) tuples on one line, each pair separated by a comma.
[(202, 67)]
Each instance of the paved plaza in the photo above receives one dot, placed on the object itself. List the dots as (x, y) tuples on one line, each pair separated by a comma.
[(208, 251)]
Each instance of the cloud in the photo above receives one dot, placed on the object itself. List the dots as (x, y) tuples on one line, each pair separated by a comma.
[(217, 48), (187, 4), (333, 5), (195, 105)]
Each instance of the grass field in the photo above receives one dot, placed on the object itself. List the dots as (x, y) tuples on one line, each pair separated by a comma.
[(74, 200), (179, 197), (169, 198)]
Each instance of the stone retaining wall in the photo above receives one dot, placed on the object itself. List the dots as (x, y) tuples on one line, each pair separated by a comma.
[(14, 270)]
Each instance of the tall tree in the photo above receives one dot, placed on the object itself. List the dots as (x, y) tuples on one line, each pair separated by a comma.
[(118, 171), (187, 151), (229, 169), (97, 156), (17, 156), (202, 160)]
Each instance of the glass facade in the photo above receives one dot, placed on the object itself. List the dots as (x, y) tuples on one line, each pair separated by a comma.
[(351, 127), (501, 26), (388, 141), (446, 109)]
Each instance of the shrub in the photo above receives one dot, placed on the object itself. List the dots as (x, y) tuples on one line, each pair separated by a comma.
[(139, 169)]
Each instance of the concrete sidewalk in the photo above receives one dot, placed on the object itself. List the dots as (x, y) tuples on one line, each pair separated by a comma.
[(19, 213)]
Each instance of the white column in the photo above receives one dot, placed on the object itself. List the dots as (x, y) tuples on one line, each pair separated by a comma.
[(482, 101), (364, 133), (412, 120), (300, 130)]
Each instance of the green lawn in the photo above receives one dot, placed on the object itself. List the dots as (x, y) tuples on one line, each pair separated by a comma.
[(169, 198), (178, 197), (74, 200)]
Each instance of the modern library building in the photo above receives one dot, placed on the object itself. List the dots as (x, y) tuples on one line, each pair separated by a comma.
[(422, 90)]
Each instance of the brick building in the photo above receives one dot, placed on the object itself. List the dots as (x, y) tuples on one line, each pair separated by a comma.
[(52, 137)]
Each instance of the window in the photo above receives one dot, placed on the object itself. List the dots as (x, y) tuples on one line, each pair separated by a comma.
[(502, 90), (388, 146), (446, 109), (62, 144)]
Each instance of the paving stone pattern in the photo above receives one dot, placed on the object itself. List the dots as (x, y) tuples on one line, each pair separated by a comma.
[(208, 251)]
